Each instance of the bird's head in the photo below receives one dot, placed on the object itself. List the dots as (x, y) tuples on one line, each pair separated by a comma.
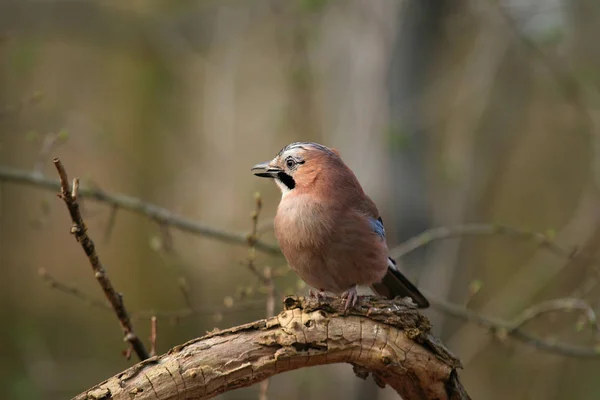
[(297, 165)]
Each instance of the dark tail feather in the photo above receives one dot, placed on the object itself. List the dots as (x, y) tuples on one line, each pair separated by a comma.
[(395, 284)]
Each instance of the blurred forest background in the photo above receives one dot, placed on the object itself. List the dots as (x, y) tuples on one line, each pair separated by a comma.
[(449, 112)]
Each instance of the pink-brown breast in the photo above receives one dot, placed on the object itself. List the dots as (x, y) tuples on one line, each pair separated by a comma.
[(330, 245)]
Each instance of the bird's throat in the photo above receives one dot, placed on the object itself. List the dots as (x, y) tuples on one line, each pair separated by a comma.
[(301, 221)]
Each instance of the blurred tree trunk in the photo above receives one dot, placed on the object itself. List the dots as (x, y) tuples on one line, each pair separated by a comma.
[(416, 40), (532, 133)]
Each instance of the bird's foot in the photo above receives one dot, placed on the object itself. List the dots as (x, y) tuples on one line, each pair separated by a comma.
[(351, 297), (318, 294)]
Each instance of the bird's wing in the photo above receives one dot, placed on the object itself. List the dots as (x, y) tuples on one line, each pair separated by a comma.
[(377, 227), (368, 208), (394, 283)]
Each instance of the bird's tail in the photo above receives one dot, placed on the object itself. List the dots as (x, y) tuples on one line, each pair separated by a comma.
[(394, 284)]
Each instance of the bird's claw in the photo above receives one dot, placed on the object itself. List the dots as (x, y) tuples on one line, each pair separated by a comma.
[(351, 297)]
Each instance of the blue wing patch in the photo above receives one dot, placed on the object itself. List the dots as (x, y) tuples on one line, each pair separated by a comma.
[(377, 227)]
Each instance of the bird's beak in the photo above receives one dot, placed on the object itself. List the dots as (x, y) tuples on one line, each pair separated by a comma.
[(268, 171)]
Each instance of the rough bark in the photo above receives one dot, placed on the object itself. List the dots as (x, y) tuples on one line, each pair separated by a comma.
[(389, 340)]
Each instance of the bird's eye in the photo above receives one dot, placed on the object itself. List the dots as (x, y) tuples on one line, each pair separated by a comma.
[(290, 163)]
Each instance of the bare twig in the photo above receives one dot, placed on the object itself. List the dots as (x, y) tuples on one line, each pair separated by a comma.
[(167, 238), (513, 329), (112, 220), (80, 231), (266, 278), (264, 385), (183, 287), (72, 291), (270, 306), (135, 205), (50, 141), (495, 326), (264, 227), (174, 315), (153, 336), (252, 240), (501, 327), (562, 305), (443, 232)]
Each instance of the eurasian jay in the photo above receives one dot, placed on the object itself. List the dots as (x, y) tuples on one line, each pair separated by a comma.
[(328, 229)]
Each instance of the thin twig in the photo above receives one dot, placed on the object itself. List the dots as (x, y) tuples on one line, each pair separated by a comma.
[(252, 240), (270, 306), (163, 245), (566, 304), (443, 232), (153, 336), (266, 278), (112, 220), (497, 326), (183, 287), (264, 390), (167, 238), (264, 227), (80, 231), (174, 315), (72, 290), (502, 328), (271, 294), (48, 143), (135, 205)]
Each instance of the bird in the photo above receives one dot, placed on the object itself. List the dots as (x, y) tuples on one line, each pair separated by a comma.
[(329, 231)]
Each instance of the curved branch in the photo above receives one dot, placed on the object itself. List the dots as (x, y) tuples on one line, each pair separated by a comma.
[(388, 339)]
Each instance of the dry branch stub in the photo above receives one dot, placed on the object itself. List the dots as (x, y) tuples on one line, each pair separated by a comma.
[(388, 339)]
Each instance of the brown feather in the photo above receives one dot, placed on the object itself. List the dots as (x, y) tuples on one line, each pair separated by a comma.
[(324, 232)]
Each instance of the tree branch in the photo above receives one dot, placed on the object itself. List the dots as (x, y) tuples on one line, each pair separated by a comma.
[(443, 232), (169, 218), (385, 338), (70, 197), (174, 315), (495, 326), (135, 205), (503, 329)]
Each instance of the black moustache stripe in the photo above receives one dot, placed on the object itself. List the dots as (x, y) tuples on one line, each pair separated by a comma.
[(287, 180)]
